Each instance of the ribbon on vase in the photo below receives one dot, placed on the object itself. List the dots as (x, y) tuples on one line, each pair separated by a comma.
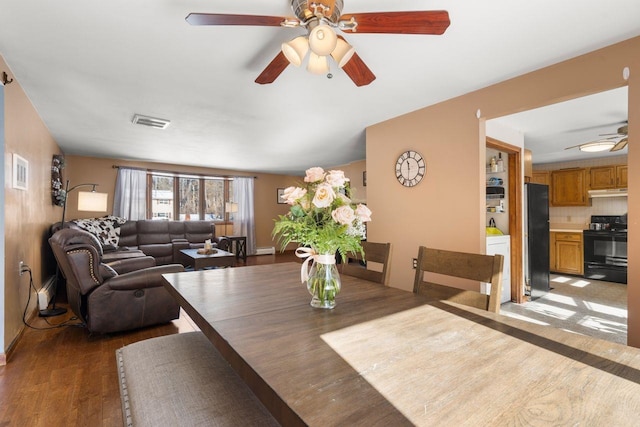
[(311, 257)]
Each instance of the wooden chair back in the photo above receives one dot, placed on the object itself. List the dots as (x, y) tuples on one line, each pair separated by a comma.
[(477, 267), (373, 252)]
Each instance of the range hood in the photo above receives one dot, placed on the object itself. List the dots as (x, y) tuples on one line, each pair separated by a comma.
[(614, 192)]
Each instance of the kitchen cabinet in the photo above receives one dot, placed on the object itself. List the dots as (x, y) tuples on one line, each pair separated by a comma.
[(501, 245), (608, 177), (528, 165), (540, 177), (621, 176), (566, 252), (569, 187)]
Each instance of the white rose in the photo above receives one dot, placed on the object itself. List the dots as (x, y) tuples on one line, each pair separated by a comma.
[(292, 194), (314, 175), (324, 196), (336, 178), (343, 215), (363, 212)]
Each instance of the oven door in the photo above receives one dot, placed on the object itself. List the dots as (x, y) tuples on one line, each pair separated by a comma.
[(605, 255)]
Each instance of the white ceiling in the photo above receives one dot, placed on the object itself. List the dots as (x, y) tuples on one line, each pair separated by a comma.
[(89, 66)]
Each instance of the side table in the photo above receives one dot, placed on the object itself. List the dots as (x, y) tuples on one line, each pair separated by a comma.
[(240, 243)]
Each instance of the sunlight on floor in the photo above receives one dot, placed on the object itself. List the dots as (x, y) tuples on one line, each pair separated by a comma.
[(550, 310), (606, 309), (603, 325), (578, 283), (562, 299), (525, 318)]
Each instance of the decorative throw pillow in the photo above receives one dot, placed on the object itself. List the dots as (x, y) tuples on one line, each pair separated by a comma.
[(106, 228)]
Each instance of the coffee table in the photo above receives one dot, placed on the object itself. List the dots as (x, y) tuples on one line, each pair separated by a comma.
[(218, 259)]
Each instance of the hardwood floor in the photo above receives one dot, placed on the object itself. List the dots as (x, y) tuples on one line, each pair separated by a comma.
[(66, 377)]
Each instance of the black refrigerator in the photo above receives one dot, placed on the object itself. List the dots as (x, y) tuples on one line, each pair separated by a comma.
[(536, 239)]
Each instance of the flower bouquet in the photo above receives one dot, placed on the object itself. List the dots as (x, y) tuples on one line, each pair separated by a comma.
[(324, 222)]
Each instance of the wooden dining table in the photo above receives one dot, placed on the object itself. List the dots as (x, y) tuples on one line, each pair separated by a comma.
[(384, 356)]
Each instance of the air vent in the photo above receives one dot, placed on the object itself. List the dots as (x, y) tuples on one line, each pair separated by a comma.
[(153, 122)]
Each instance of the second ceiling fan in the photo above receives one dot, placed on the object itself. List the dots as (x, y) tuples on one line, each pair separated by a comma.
[(321, 19)]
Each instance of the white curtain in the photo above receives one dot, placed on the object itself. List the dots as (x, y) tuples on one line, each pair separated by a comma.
[(130, 199), (244, 219)]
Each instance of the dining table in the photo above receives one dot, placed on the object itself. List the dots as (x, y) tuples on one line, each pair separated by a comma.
[(388, 357)]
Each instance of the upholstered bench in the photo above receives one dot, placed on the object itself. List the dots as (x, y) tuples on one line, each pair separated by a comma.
[(182, 380)]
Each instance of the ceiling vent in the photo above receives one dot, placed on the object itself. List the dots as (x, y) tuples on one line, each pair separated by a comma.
[(153, 122)]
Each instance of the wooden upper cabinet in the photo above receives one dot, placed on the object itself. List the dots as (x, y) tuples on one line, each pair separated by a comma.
[(602, 177), (569, 187), (621, 176), (607, 177), (528, 165), (540, 177)]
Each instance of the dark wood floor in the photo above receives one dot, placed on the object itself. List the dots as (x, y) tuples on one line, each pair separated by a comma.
[(67, 377)]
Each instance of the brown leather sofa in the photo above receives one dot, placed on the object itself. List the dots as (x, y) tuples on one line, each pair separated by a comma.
[(162, 240), (119, 296)]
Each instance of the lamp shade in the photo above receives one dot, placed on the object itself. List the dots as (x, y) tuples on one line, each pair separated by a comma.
[(342, 53), (295, 50), (596, 146), (322, 40), (92, 201), (317, 64)]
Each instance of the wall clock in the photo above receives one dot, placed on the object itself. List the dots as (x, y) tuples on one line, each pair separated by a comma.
[(410, 168)]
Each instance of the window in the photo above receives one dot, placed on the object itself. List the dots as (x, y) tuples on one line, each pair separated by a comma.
[(189, 198), (161, 197), (189, 190)]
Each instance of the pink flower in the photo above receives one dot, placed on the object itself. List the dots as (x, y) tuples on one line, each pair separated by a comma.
[(324, 196), (343, 215), (292, 194), (336, 178), (314, 174), (363, 212)]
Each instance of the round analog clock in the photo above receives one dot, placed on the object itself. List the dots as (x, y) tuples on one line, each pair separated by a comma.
[(410, 168)]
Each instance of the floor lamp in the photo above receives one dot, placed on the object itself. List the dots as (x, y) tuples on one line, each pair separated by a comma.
[(88, 201)]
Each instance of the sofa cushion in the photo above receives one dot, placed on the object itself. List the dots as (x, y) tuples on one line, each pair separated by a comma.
[(152, 232), (106, 228), (198, 231)]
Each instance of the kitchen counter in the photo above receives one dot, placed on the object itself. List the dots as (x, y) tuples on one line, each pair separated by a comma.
[(567, 227)]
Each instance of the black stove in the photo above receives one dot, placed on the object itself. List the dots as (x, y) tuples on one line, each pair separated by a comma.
[(605, 248)]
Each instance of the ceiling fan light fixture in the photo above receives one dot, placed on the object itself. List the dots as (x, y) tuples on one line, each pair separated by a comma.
[(317, 64), (597, 146), (342, 53), (322, 40), (295, 50)]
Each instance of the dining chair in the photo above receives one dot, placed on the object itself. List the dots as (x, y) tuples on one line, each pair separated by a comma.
[(475, 267), (355, 266)]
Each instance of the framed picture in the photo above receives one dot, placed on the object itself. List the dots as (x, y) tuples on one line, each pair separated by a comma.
[(364, 178), (280, 196), (20, 172)]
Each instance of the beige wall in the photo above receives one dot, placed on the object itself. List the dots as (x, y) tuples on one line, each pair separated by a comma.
[(446, 210), (354, 172), (100, 171), (28, 214)]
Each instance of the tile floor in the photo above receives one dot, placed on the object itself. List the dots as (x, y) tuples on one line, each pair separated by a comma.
[(588, 307)]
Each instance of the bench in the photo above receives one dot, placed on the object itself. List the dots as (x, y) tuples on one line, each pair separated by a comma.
[(182, 380)]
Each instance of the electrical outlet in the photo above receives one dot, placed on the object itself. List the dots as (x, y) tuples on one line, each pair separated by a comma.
[(415, 263), (20, 266)]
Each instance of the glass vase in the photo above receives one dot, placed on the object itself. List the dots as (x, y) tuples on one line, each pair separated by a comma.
[(324, 282)]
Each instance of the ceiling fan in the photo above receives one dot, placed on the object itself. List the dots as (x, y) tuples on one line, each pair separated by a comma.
[(321, 18), (613, 141)]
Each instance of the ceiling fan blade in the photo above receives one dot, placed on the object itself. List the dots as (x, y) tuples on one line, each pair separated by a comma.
[(224, 19), (418, 22), (620, 145), (273, 70), (358, 71)]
